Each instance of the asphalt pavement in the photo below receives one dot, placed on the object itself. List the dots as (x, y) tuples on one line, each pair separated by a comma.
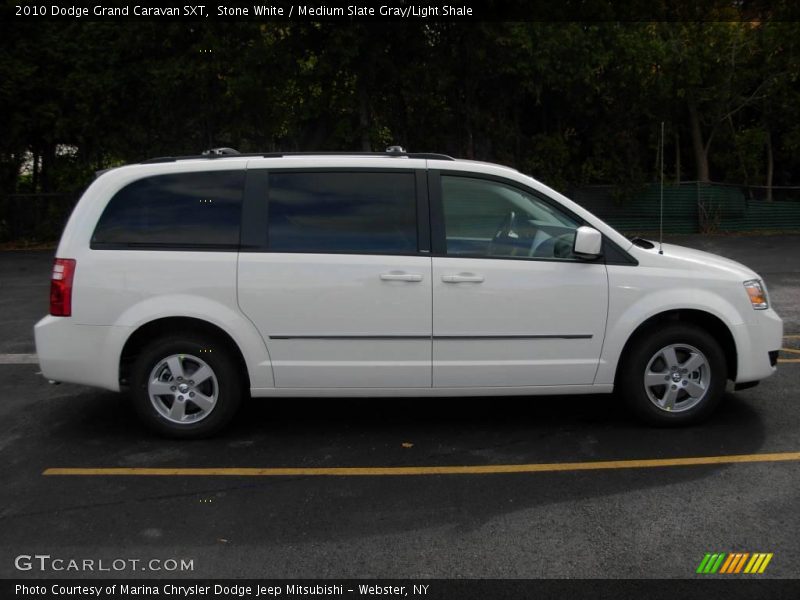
[(648, 522)]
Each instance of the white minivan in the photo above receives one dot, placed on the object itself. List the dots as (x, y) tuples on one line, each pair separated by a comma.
[(194, 281)]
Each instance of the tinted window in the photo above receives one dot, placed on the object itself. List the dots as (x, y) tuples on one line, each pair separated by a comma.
[(342, 212), (488, 218), (181, 210)]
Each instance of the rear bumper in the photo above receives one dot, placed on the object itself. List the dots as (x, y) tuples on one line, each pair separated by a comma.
[(85, 354)]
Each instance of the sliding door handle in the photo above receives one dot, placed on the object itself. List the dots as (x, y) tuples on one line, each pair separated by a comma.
[(400, 276), (463, 278)]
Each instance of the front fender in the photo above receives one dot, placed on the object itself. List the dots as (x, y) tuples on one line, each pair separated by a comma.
[(629, 308)]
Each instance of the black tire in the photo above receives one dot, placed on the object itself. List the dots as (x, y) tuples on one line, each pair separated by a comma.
[(638, 358), (194, 349)]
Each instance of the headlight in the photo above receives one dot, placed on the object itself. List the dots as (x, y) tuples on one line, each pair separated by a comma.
[(757, 293)]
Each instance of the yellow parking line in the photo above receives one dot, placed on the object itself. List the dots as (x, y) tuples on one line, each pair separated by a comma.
[(795, 350), (423, 470), (789, 360), (792, 337)]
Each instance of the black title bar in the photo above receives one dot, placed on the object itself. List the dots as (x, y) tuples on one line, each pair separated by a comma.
[(406, 10)]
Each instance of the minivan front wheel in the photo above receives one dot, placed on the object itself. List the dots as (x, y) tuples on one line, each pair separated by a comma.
[(675, 375), (186, 386)]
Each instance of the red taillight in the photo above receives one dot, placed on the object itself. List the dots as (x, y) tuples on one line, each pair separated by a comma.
[(61, 287)]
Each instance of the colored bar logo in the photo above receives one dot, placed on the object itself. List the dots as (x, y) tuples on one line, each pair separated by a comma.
[(734, 563)]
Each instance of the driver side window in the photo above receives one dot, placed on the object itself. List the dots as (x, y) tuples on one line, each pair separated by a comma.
[(488, 218)]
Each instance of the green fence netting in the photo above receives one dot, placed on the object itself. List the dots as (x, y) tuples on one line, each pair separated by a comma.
[(690, 208)]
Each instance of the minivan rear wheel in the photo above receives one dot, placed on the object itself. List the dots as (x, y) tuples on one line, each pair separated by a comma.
[(674, 375), (186, 386)]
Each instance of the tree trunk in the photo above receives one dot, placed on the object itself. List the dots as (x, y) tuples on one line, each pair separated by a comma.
[(700, 150), (677, 158), (517, 140), (770, 165), (48, 160), (35, 173), (363, 118)]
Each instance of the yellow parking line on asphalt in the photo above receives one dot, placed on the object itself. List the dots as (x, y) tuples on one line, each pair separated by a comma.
[(423, 470), (790, 350)]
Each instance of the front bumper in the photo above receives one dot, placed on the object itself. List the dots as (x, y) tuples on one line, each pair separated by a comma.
[(757, 345)]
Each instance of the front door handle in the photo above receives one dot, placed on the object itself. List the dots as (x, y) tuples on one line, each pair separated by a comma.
[(463, 278), (400, 276)]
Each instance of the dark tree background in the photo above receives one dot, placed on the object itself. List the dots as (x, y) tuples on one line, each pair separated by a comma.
[(570, 103)]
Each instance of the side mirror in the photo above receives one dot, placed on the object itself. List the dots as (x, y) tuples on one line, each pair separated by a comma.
[(588, 242)]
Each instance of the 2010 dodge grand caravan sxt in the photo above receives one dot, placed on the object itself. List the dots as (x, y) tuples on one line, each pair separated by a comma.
[(193, 281)]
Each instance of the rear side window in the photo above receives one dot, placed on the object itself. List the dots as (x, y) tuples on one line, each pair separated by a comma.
[(354, 212), (184, 210)]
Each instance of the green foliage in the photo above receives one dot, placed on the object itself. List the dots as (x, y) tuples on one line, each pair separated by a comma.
[(570, 103)]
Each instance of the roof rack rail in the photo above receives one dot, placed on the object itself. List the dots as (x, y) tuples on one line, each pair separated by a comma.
[(218, 153)]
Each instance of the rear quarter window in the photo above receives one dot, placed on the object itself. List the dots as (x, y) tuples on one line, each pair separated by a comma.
[(183, 210)]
